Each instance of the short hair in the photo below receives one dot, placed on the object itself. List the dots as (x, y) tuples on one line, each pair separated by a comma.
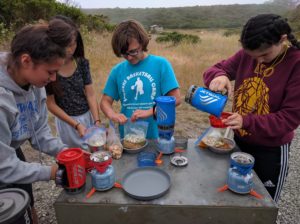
[(264, 30), (125, 32)]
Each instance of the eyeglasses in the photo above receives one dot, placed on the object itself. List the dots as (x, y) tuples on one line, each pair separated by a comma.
[(133, 52)]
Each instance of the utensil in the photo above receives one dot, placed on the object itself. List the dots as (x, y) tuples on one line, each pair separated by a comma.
[(158, 160)]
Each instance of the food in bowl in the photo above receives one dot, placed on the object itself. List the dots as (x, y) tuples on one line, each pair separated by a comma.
[(132, 141), (219, 143)]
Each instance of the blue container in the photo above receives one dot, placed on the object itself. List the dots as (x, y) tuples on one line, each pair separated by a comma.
[(165, 115), (240, 176), (238, 182), (146, 159), (205, 100), (103, 181)]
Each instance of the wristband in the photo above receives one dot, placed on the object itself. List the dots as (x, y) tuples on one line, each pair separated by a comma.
[(76, 125)]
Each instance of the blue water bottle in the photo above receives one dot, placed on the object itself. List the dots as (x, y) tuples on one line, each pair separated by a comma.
[(164, 113), (206, 100)]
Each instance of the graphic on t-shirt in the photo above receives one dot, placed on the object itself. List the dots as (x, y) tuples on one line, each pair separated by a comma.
[(138, 87), (252, 97), (140, 83), (28, 112)]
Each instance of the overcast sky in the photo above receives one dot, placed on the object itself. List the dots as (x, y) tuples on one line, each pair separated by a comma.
[(158, 3)]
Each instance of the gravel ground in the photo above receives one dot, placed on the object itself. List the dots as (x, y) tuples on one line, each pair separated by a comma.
[(289, 205)]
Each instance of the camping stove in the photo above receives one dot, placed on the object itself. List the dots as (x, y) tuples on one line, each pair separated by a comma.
[(240, 175), (102, 172)]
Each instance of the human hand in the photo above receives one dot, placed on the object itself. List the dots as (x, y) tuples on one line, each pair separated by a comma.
[(54, 169), (81, 130), (234, 121), (119, 118), (221, 83), (141, 114)]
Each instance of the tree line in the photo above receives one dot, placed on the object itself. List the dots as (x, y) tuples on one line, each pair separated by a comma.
[(16, 13)]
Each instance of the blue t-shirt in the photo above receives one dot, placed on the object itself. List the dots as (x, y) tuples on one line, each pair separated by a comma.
[(136, 86)]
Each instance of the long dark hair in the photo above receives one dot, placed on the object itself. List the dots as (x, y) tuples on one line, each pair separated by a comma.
[(55, 87), (264, 30), (43, 42), (79, 52)]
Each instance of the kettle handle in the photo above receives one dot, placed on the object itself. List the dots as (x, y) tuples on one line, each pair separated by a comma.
[(154, 112)]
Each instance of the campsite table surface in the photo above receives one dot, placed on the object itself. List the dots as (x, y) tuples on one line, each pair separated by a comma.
[(192, 197)]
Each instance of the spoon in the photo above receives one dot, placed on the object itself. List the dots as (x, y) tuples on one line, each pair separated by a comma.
[(158, 160)]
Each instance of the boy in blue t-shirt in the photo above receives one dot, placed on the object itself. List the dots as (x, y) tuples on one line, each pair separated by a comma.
[(138, 80)]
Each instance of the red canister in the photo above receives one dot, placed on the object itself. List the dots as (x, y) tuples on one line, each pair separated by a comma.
[(72, 168)]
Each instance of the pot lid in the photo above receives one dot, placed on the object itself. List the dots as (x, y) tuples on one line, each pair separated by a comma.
[(13, 203)]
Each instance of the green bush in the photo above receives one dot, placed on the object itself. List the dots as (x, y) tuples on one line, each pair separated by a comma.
[(175, 38), (5, 34), (15, 14)]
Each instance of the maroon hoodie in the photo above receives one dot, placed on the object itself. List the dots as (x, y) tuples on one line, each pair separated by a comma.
[(269, 101)]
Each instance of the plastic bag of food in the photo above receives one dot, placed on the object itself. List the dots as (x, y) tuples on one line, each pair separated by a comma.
[(135, 134), (113, 143), (95, 138)]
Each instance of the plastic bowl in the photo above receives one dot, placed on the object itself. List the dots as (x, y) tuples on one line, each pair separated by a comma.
[(229, 142), (146, 159), (135, 150), (217, 121)]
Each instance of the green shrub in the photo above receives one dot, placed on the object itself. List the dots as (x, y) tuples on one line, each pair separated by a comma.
[(175, 38), (5, 34)]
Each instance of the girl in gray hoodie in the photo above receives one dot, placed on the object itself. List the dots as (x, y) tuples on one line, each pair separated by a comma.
[(37, 53)]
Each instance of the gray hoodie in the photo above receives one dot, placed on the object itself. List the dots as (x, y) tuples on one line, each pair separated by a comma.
[(23, 116)]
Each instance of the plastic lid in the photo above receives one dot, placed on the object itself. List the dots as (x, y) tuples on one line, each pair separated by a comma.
[(190, 93), (13, 203), (69, 154), (165, 99)]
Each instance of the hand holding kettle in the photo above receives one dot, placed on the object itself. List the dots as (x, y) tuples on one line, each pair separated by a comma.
[(221, 83)]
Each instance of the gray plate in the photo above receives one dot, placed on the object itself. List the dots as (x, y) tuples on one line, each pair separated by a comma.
[(146, 183), (133, 151)]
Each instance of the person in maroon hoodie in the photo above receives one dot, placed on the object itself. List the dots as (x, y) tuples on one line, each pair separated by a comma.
[(266, 102)]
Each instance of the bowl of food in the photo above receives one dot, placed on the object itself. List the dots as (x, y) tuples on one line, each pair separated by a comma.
[(219, 145), (134, 143)]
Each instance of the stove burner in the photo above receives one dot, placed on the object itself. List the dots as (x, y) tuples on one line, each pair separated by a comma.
[(252, 192), (179, 161)]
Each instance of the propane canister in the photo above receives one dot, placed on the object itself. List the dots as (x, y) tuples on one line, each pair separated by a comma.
[(240, 175), (103, 173)]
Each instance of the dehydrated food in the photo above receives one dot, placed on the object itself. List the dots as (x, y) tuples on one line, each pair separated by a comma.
[(132, 141), (217, 142), (115, 150)]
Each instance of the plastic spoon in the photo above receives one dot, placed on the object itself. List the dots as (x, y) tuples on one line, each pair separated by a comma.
[(158, 160)]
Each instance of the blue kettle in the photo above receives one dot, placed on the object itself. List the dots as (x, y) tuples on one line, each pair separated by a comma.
[(165, 114)]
